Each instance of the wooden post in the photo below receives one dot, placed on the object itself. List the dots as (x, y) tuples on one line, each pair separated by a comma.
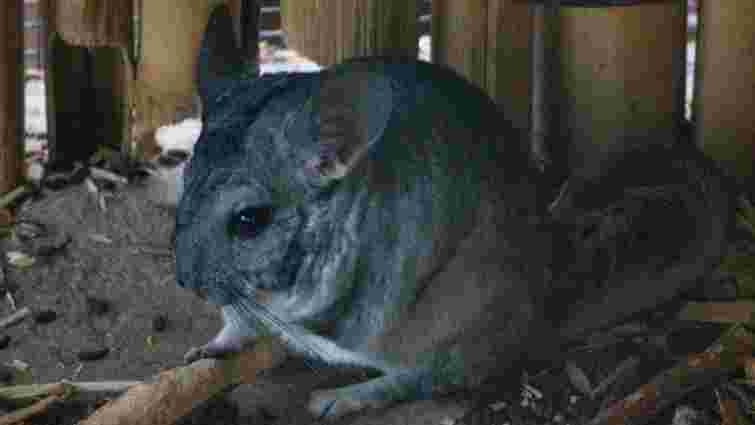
[(488, 42), (11, 95), (95, 23), (548, 149), (725, 94), (164, 90), (246, 18), (87, 78), (330, 31), (623, 78)]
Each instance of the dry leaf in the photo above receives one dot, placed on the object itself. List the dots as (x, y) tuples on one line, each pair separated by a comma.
[(578, 378), (19, 259), (97, 237)]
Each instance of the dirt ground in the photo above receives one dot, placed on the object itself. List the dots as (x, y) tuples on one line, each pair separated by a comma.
[(108, 276)]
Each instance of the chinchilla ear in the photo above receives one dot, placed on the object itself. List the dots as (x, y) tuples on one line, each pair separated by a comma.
[(220, 59), (352, 108)]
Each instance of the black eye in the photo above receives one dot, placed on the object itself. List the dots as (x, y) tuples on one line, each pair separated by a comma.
[(250, 222)]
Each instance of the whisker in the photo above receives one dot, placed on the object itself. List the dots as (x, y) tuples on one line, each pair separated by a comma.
[(249, 308)]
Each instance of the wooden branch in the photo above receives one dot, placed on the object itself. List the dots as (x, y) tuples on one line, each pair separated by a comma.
[(13, 196), (19, 417), (174, 393), (740, 311), (24, 395), (14, 318), (732, 351), (52, 393), (101, 173)]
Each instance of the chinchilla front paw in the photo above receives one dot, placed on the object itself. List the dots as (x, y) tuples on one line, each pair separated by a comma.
[(218, 348), (336, 403)]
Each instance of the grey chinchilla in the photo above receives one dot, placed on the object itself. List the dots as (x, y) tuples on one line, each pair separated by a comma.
[(383, 214)]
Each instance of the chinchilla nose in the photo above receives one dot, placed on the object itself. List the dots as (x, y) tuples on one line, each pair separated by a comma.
[(202, 292)]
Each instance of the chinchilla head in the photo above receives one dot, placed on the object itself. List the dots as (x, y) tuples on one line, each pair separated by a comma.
[(258, 207)]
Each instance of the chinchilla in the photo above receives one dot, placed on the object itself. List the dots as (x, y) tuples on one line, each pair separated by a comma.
[(381, 214)]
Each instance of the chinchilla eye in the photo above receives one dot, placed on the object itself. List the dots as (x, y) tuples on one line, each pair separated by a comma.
[(250, 222)]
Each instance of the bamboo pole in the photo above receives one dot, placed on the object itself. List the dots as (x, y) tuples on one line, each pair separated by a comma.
[(95, 23), (622, 73), (11, 95), (329, 32), (488, 42), (724, 105)]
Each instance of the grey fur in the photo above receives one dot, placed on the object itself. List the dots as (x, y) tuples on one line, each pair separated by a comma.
[(408, 232)]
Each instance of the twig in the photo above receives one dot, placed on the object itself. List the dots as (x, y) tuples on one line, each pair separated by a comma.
[(91, 186), (103, 388), (14, 317), (11, 300), (53, 393), (20, 416), (24, 395), (627, 367), (727, 407), (101, 173), (21, 395), (727, 354), (719, 312), (173, 393), (13, 196)]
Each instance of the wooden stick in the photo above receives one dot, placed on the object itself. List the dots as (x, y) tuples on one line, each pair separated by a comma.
[(14, 318), (22, 395), (104, 174), (56, 392), (740, 311), (13, 196), (174, 393)]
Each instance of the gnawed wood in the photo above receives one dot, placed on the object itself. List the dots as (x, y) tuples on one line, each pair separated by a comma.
[(174, 393)]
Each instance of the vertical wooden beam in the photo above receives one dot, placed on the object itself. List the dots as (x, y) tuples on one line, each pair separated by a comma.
[(488, 42), (460, 37), (246, 18), (11, 95), (49, 13), (329, 32), (623, 78), (88, 82), (70, 69), (725, 94), (549, 150), (250, 32), (165, 87), (95, 22)]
